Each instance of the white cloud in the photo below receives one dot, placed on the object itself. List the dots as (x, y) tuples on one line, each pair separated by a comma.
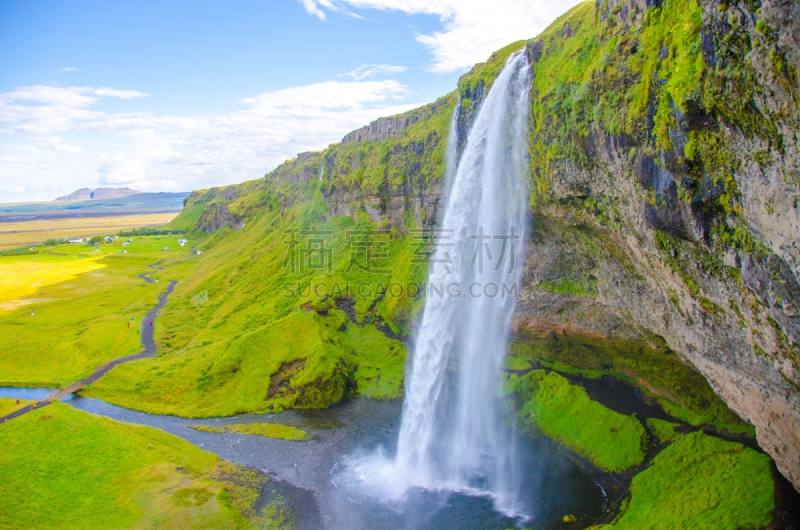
[(311, 8), (368, 70), (66, 69), (472, 29), (164, 152)]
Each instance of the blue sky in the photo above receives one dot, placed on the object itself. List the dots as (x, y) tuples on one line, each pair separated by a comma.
[(100, 94)]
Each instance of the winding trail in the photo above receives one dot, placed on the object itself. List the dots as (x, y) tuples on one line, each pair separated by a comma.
[(148, 343)]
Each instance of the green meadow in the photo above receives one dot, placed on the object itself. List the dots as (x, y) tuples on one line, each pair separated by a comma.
[(86, 471), (65, 310)]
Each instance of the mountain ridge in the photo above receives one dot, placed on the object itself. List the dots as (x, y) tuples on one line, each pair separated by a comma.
[(98, 194)]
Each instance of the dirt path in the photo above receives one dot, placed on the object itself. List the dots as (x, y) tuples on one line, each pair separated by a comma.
[(147, 339)]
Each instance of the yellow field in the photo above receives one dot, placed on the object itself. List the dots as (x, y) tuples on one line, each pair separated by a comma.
[(37, 231), (24, 277)]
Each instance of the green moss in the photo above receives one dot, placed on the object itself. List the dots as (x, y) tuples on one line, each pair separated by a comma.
[(270, 430), (664, 430), (660, 371), (707, 417), (575, 288), (702, 482), (563, 411), (206, 428)]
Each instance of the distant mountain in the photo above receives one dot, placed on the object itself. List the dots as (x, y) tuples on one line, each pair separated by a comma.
[(84, 194), (137, 201)]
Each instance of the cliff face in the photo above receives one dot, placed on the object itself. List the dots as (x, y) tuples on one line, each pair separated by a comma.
[(673, 131), (664, 189)]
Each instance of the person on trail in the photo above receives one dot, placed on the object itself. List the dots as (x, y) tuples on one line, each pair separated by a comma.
[(151, 323), (17, 401), (137, 331), (129, 324), (638, 393)]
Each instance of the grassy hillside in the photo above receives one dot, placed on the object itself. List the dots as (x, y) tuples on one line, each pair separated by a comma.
[(244, 332)]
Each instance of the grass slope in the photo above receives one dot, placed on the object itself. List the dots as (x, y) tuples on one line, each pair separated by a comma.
[(63, 468), (241, 318)]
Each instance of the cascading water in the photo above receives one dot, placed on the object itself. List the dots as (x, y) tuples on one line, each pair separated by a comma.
[(452, 435), (451, 155)]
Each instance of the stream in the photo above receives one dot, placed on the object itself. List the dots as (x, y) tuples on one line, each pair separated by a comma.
[(320, 490)]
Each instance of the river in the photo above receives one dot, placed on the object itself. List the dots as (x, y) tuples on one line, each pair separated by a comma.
[(314, 480)]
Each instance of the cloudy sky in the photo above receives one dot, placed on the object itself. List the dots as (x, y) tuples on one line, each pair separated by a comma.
[(182, 95)]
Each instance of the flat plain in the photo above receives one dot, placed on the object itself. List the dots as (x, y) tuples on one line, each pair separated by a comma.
[(13, 232)]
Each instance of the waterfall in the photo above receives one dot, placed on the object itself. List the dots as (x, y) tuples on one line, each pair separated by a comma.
[(452, 435), (451, 155), (321, 171)]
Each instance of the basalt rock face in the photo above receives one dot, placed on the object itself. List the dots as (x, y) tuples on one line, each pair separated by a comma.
[(217, 213), (667, 135)]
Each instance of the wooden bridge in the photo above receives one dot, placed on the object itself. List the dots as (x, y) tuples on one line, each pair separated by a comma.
[(61, 392), (148, 342)]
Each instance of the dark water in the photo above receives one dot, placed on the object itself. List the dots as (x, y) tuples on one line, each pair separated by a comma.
[(312, 475)]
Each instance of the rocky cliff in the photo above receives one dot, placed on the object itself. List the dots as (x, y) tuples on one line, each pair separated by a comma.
[(663, 185)]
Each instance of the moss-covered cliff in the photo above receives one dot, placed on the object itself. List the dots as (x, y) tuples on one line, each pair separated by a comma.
[(664, 187)]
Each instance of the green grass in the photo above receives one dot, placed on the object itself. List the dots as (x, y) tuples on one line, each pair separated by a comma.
[(701, 482), (238, 315), (9, 405), (64, 468), (664, 430), (82, 304), (269, 430), (562, 411)]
